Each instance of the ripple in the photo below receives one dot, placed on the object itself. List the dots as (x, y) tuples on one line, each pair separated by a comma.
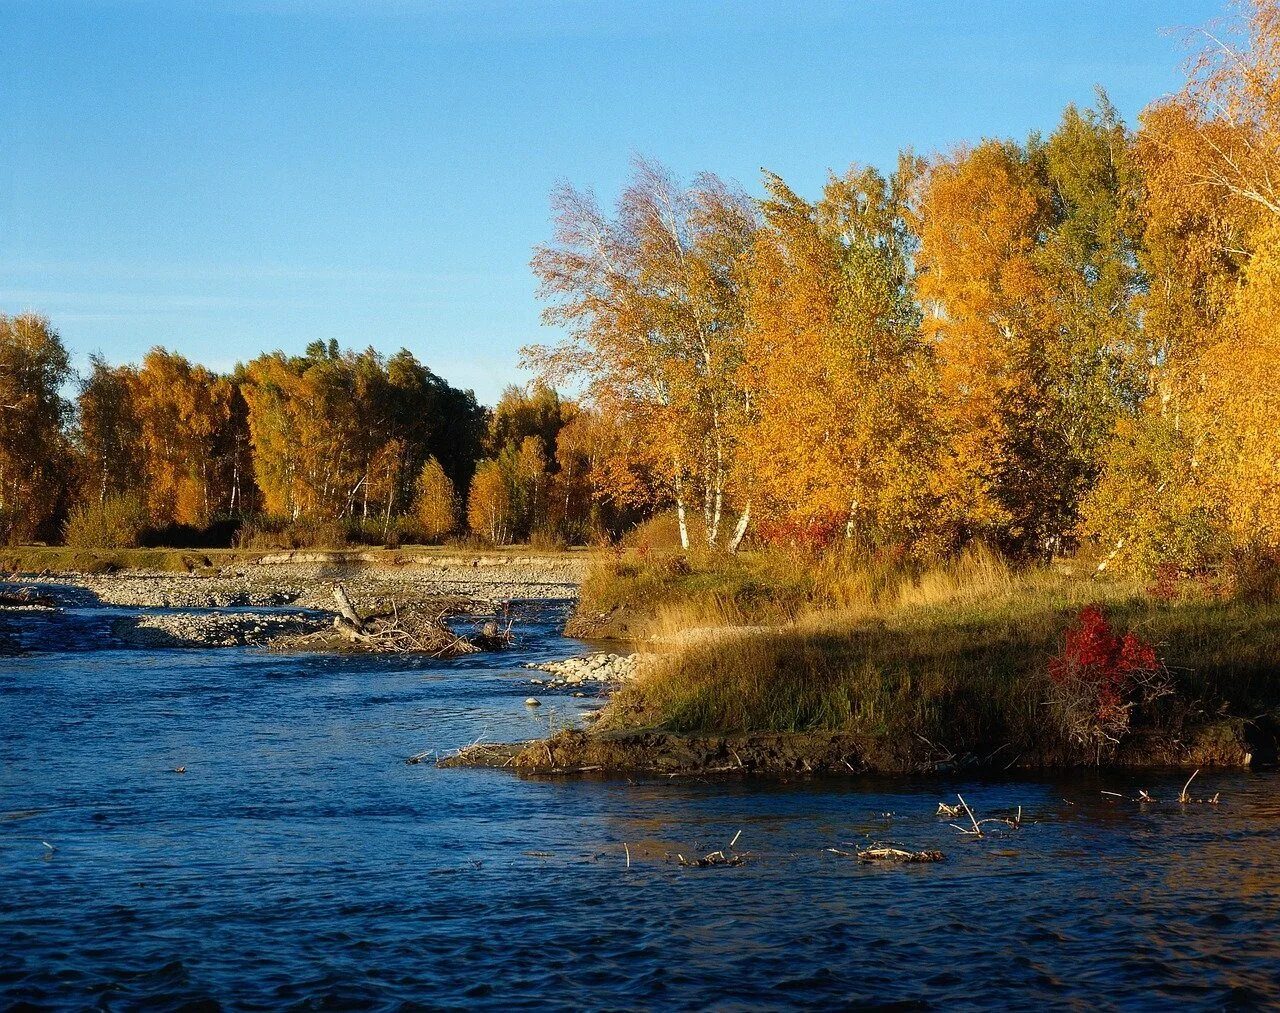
[(299, 862)]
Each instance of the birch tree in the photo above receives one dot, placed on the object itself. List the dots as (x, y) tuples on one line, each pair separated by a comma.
[(652, 301)]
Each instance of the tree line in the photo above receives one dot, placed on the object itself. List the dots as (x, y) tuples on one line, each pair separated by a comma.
[(1028, 342), (325, 446), (1032, 343)]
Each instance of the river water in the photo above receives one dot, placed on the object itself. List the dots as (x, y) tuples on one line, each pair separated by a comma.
[(300, 862)]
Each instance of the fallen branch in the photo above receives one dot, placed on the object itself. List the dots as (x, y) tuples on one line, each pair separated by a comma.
[(879, 853)]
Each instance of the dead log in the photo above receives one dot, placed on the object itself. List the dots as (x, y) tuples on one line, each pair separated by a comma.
[(346, 610)]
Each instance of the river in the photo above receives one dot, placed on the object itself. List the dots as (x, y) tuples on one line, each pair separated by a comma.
[(300, 862)]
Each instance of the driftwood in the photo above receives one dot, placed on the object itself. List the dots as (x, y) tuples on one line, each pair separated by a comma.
[(26, 598), (715, 858), (880, 853), (346, 610), (422, 630), (726, 857)]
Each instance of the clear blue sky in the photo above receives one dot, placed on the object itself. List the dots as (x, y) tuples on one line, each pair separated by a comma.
[(228, 176)]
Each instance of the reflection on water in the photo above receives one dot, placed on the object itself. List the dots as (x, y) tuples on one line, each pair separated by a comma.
[(299, 860)]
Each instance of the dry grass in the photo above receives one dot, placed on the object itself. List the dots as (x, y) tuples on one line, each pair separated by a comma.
[(954, 654)]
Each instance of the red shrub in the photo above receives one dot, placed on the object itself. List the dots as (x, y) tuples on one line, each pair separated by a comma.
[(1099, 677)]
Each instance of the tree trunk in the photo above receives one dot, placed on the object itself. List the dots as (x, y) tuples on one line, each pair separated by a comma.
[(740, 529), (680, 515), (346, 609)]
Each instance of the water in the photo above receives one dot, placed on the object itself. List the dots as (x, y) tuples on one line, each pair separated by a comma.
[(301, 863)]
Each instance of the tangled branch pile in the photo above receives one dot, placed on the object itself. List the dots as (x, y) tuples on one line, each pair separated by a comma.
[(423, 630)]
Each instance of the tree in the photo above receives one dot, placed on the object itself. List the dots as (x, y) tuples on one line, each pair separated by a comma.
[(340, 434), (184, 412), (491, 503), (652, 300), (835, 372), (1030, 279), (109, 432), (1195, 480), (34, 452), (437, 502)]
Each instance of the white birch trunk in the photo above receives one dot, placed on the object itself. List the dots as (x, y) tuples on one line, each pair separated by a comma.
[(740, 529), (680, 515)]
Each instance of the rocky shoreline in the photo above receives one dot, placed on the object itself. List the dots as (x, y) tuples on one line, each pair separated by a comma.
[(214, 608), (215, 629)]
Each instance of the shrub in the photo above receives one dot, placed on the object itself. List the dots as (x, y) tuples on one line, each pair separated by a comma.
[(117, 522), (1099, 678), (284, 533)]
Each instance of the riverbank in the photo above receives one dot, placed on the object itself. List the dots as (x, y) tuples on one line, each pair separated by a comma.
[(792, 665), (376, 579), (212, 604)]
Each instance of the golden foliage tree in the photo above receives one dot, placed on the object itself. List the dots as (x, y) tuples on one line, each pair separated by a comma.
[(34, 452), (491, 503), (183, 411), (652, 301), (836, 377), (436, 507)]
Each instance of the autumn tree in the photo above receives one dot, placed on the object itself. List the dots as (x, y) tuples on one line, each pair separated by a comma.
[(491, 503), (652, 301), (1194, 478), (344, 435), (183, 413), (34, 452), (835, 372), (1030, 279), (436, 506), (108, 432)]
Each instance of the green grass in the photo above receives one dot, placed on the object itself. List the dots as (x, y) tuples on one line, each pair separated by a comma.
[(956, 655)]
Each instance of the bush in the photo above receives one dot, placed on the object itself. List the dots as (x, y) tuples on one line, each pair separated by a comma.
[(118, 522), (1099, 678), (284, 533)]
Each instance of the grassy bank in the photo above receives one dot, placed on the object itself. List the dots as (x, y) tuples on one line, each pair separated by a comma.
[(915, 666)]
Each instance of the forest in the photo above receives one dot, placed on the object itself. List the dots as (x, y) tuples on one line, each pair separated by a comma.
[(1042, 345)]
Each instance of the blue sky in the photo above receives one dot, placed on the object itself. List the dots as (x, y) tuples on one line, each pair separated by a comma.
[(228, 176)]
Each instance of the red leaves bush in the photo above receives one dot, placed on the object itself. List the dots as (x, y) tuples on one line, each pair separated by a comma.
[(1099, 677), (811, 534)]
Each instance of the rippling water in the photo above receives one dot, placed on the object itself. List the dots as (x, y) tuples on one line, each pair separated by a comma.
[(300, 862)]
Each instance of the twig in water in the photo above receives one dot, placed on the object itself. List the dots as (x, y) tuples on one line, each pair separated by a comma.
[(627, 848), (881, 853), (1183, 797), (715, 858)]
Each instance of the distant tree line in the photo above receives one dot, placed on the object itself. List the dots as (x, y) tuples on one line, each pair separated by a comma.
[(330, 445), (1031, 343)]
